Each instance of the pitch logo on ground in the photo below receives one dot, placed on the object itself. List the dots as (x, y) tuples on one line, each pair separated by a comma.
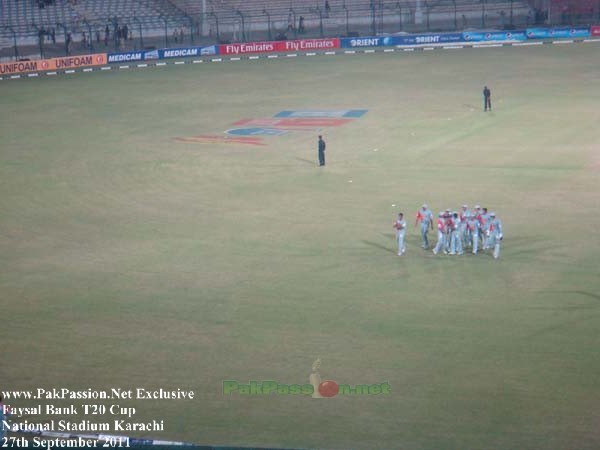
[(251, 131), (316, 387)]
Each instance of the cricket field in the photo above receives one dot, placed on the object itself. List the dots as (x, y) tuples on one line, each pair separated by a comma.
[(136, 252)]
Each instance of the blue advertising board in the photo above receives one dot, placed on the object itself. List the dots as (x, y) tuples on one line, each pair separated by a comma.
[(365, 42), (142, 55), (549, 33), (497, 36), (187, 52), (409, 39), (419, 39), (125, 57)]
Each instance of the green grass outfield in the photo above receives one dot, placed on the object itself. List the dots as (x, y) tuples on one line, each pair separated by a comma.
[(130, 260)]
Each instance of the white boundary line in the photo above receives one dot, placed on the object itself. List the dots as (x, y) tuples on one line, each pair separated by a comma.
[(487, 45), (523, 44)]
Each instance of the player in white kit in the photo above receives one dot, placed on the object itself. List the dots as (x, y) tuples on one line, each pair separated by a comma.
[(400, 227)]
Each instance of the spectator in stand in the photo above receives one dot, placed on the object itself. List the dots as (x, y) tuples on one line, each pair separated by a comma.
[(41, 33), (301, 29), (327, 8), (68, 43), (564, 14)]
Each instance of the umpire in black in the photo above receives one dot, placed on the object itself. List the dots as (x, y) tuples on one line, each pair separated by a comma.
[(487, 99), (321, 151)]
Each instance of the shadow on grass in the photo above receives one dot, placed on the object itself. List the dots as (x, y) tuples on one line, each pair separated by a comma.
[(584, 293), (307, 161), (560, 327), (379, 246), (569, 307)]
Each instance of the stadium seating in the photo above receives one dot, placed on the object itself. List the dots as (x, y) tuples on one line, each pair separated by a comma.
[(252, 6), (577, 7), (569, 12), (25, 15), (237, 20)]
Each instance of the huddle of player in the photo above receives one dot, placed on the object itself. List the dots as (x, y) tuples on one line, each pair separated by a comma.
[(457, 231)]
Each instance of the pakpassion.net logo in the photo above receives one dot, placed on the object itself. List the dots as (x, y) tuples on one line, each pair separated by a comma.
[(315, 387)]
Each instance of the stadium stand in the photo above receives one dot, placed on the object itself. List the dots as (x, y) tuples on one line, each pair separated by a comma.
[(156, 22), (24, 15), (42, 23), (571, 12), (238, 19), (567, 12)]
